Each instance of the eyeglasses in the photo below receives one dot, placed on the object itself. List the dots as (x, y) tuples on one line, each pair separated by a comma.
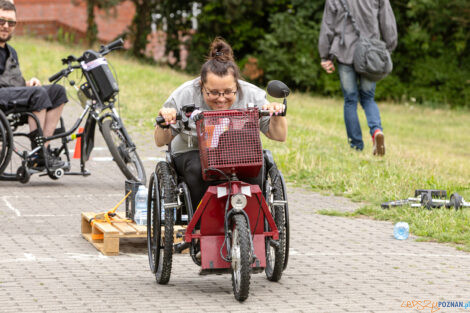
[(10, 23), (214, 94)]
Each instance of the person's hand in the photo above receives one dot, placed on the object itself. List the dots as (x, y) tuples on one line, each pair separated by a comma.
[(274, 108), (169, 114), (328, 66), (33, 82)]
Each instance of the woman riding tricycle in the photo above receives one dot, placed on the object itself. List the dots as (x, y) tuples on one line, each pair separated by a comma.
[(218, 176)]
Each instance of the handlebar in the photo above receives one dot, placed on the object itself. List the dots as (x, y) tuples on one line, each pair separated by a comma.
[(179, 116), (57, 75), (105, 49), (117, 44), (160, 120)]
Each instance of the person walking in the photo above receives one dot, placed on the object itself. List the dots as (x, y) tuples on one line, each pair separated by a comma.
[(337, 41)]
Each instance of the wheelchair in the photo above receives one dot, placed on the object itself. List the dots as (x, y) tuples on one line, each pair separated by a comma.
[(16, 153), (238, 227)]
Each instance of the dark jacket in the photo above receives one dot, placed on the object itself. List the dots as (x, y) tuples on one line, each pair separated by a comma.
[(374, 18), (11, 76)]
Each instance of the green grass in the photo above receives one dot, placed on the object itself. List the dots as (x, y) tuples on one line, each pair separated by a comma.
[(426, 148)]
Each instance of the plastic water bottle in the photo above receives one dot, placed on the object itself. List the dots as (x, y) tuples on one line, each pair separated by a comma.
[(401, 230), (140, 214)]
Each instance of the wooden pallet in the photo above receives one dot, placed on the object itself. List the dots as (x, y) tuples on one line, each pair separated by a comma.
[(105, 236)]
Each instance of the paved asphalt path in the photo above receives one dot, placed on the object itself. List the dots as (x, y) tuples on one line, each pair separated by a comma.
[(336, 264)]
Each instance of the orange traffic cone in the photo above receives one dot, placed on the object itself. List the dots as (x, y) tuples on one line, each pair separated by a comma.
[(78, 145)]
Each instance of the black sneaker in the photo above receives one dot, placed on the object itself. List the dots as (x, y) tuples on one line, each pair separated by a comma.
[(54, 162), (37, 161)]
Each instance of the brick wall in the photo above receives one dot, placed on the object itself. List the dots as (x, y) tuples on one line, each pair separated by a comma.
[(44, 17)]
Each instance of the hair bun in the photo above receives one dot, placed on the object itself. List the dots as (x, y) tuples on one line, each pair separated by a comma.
[(221, 51)]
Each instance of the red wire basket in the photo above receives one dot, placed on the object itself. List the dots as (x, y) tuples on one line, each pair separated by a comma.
[(229, 141)]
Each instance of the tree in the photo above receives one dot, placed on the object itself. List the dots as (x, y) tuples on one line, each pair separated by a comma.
[(141, 25), (92, 29), (175, 19), (241, 23)]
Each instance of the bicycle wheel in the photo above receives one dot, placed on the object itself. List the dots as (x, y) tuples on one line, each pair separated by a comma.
[(277, 255), (241, 257), (6, 142), (126, 157)]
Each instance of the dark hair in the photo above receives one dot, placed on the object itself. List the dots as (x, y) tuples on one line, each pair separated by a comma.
[(6, 5), (221, 62)]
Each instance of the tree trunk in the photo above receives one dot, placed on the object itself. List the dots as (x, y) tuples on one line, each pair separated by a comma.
[(140, 28), (92, 29)]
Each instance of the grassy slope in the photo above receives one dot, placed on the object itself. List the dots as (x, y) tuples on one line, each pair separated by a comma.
[(426, 149)]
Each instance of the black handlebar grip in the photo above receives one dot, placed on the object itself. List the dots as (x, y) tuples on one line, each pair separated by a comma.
[(56, 76), (115, 44), (159, 120)]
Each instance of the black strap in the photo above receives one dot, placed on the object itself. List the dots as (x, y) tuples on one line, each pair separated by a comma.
[(353, 21)]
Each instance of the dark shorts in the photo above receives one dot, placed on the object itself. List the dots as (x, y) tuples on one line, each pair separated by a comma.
[(32, 99)]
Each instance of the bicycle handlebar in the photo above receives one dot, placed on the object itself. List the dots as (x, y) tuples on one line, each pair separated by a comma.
[(57, 75), (117, 44)]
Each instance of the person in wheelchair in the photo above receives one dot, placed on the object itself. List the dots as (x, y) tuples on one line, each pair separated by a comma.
[(219, 87), (18, 95)]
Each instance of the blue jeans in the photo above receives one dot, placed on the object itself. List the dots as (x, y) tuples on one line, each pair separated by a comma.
[(357, 88)]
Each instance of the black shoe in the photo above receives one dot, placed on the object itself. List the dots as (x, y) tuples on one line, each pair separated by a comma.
[(37, 161), (54, 162)]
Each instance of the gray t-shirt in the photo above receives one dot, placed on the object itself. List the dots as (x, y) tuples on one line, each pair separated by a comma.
[(190, 93)]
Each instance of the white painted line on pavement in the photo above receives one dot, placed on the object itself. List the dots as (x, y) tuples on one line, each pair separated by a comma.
[(102, 159), (48, 215), (95, 148), (82, 256), (28, 257), (11, 207), (18, 213), (155, 159)]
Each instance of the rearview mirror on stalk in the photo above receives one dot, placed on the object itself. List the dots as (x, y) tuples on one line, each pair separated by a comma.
[(278, 89)]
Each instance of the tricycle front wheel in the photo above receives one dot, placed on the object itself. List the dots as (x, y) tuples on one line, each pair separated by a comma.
[(241, 257)]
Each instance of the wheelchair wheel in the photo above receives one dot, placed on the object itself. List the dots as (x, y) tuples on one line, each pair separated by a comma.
[(277, 255), (6, 142), (125, 157), (164, 189), (154, 233), (241, 257)]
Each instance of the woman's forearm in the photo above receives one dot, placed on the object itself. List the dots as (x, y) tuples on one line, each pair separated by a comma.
[(163, 136), (277, 128)]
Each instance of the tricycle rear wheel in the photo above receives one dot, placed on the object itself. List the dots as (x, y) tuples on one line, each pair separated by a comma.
[(276, 255)]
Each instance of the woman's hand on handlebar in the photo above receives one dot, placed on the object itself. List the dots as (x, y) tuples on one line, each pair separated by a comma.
[(274, 108), (168, 114)]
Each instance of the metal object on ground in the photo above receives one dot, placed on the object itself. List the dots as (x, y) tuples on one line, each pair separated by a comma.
[(429, 199)]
